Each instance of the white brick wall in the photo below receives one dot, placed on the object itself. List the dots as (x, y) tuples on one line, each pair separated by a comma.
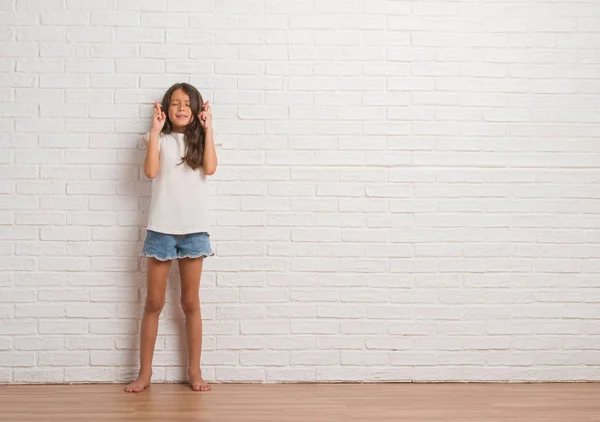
[(408, 190)]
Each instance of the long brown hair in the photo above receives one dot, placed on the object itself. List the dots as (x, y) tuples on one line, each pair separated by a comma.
[(193, 134)]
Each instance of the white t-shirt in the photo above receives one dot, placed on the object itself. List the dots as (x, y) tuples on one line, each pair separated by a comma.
[(179, 194)]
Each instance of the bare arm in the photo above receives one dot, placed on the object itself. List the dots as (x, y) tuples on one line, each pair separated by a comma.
[(152, 161), (151, 164), (209, 159)]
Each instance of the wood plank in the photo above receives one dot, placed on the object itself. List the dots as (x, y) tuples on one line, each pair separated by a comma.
[(304, 402)]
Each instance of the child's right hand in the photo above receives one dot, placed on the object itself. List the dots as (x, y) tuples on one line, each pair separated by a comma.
[(158, 118)]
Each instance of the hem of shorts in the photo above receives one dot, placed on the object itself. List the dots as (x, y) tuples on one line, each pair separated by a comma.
[(160, 258)]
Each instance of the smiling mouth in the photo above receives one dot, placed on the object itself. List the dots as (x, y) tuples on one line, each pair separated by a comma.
[(181, 116)]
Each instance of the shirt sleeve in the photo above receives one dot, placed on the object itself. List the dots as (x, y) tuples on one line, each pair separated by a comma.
[(145, 140)]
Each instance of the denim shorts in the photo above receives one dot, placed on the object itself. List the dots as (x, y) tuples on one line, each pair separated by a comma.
[(165, 247)]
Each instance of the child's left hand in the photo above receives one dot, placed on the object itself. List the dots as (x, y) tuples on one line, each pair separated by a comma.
[(205, 116)]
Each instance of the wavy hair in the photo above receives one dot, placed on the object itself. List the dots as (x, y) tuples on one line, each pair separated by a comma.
[(193, 134)]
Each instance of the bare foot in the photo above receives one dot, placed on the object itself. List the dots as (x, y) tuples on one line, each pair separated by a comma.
[(140, 384), (197, 382)]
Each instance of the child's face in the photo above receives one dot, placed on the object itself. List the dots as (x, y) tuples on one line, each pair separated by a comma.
[(180, 111)]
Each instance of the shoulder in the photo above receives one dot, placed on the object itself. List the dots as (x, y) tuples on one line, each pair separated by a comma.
[(144, 139)]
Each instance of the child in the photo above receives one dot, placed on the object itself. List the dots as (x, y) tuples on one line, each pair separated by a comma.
[(180, 154)]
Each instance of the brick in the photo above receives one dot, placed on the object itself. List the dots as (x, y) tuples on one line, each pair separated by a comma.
[(63, 359), (63, 327), (38, 376), (264, 358), (40, 311)]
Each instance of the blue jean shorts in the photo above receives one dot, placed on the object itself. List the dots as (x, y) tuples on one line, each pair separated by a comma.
[(165, 247)]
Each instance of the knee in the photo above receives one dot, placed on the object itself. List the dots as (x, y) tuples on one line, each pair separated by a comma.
[(154, 303), (190, 303)]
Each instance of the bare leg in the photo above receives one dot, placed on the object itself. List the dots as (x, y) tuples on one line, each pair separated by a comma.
[(191, 270), (158, 272)]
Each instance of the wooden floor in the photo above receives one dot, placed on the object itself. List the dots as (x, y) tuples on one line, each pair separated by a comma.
[(304, 402)]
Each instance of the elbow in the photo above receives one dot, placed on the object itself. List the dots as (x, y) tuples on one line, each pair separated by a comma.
[(209, 168), (150, 173)]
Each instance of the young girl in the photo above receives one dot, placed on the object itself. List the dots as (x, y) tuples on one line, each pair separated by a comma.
[(180, 154)]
